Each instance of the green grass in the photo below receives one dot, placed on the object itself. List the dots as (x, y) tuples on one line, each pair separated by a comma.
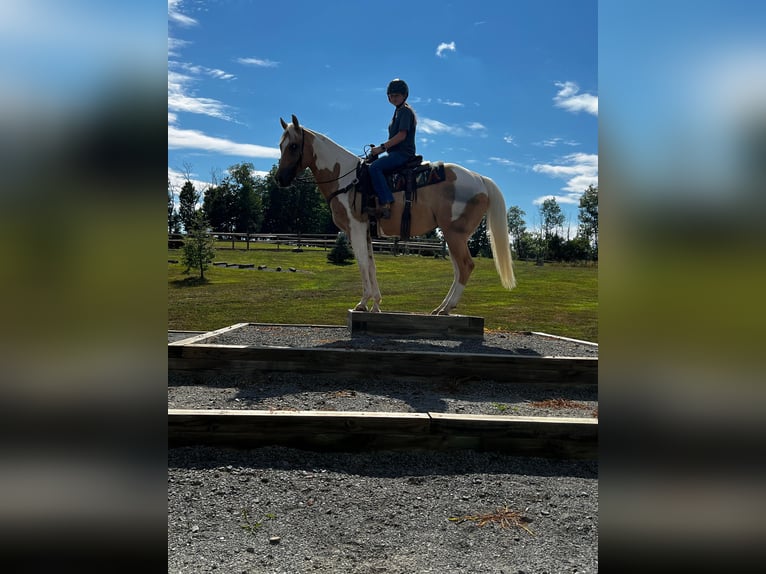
[(553, 298)]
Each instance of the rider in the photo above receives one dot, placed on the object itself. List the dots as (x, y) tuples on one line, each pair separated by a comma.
[(400, 144)]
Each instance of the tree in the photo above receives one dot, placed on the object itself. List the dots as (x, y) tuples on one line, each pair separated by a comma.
[(187, 204), (218, 206), (173, 220), (589, 217), (199, 248), (298, 208), (551, 218), (341, 253), (247, 215), (517, 227), (478, 243)]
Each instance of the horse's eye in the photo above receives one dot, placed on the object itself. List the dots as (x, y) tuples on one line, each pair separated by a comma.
[(293, 146)]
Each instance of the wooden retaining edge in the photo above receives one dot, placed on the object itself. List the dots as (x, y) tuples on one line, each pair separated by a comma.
[(207, 335), (550, 437), (246, 360)]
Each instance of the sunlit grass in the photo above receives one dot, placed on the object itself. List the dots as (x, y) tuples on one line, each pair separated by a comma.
[(553, 298)]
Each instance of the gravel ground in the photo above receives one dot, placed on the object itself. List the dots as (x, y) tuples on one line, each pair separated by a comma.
[(296, 391), (284, 510)]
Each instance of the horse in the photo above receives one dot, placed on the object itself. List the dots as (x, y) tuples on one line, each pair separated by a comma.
[(457, 206)]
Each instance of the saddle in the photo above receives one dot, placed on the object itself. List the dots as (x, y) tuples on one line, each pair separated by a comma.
[(407, 178)]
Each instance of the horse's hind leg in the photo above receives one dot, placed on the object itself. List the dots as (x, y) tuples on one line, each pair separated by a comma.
[(463, 265)]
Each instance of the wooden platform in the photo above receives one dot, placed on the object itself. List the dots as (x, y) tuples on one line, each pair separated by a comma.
[(210, 359), (552, 437), (414, 324)]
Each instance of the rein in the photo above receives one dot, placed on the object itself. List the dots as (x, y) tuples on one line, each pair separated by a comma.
[(306, 180)]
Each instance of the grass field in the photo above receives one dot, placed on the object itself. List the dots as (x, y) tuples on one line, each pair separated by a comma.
[(553, 298)]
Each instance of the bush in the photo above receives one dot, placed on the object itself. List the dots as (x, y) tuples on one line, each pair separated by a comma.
[(341, 253)]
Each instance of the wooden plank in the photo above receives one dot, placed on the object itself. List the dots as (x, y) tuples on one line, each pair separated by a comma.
[(245, 360), (207, 335), (558, 437), (316, 430), (560, 338), (411, 324)]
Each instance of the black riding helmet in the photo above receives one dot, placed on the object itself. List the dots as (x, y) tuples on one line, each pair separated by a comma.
[(398, 86)]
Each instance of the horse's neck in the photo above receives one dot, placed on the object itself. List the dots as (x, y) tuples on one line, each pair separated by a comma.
[(328, 155)]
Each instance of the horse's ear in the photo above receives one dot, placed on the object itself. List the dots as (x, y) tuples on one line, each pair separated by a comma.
[(284, 125), (295, 122)]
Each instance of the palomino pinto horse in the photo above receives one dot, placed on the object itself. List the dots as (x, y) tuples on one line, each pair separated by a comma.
[(456, 205)]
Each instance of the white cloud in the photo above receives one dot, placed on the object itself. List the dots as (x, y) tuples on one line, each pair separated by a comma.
[(578, 169), (569, 99), (441, 48), (508, 139), (193, 139), (449, 103), (258, 62), (555, 141), (175, 15), (429, 126), (212, 72), (174, 44), (180, 101), (508, 163)]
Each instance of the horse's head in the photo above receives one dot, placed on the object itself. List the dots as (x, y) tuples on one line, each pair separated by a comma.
[(291, 148)]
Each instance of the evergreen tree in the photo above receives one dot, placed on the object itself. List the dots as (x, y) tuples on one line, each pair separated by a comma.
[(187, 204), (341, 253), (199, 248)]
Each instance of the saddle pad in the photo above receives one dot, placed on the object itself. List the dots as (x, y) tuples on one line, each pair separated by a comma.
[(425, 174)]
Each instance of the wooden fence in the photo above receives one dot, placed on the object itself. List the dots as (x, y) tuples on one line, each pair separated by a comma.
[(247, 241)]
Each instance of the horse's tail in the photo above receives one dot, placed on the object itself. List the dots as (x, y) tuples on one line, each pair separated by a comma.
[(497, 228)]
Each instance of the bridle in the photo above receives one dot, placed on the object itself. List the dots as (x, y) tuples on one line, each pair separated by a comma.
[(306, 180)]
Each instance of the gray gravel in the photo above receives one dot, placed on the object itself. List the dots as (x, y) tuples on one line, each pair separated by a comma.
[(284, 510), (296, 391)]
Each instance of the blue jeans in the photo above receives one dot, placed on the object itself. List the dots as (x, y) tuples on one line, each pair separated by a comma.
[(383, 164)]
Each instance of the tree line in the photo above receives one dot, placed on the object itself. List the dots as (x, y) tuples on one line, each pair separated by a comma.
[(243, 202)]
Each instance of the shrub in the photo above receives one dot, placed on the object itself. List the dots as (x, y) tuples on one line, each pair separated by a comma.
[(341, 253)]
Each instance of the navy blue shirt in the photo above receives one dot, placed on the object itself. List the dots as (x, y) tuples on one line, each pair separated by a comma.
[(404, 119)]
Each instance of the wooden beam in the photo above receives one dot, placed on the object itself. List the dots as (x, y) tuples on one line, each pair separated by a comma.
[(208, 334), (557, 437), (314, 430), (415, 324), (244, 360)]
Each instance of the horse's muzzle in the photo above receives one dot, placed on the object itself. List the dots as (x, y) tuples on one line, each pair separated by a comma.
[(285, 177)]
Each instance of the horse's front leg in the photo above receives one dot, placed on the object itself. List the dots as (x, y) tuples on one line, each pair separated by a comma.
[(362, 245), (372, 277)]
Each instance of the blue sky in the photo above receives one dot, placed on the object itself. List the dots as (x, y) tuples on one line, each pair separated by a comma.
[(507, 89)]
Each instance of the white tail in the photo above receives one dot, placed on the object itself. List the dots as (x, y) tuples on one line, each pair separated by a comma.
[(497, 228)]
